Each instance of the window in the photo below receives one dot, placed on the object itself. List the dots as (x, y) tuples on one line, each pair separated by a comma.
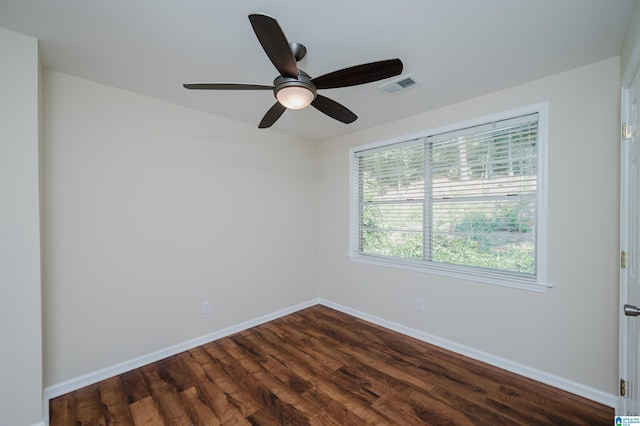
[(467, 201)]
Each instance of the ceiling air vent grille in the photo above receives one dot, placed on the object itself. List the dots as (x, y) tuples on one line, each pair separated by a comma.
[(398, 85)]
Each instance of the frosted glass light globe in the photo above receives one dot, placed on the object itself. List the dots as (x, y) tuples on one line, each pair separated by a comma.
[(295, 97)]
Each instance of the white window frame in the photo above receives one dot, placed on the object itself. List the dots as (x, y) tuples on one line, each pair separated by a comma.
[(539, 282)]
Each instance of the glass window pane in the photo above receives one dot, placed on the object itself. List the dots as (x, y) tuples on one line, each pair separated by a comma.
[(466, 197)]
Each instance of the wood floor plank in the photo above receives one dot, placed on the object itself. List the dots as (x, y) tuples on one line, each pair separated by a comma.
[(134, 386), (262, 418), (400, 413), (170, 371), (89, 407), (198, 408), (169, 404), (145, 412), (234, 394), (62, 410), (226, 409), (114, 400), (319, 366)]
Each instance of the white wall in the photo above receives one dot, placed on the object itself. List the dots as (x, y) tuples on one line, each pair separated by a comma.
[(152, 209), (571, 330), (629, 56), (20, 273)]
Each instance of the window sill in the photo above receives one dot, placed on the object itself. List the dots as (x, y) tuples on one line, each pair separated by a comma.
[(487, 277)]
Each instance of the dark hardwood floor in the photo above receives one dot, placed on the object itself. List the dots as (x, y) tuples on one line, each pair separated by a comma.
[(322, 367)]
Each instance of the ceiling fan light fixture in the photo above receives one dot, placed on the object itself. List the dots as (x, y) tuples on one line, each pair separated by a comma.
[(294, 93), (295, 97)]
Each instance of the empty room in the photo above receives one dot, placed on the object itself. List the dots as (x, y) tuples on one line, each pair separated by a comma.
[(329, 213)]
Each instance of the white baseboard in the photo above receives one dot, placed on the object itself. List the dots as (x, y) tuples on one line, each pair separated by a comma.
[(105, 373), (523, 370), (505, 364)]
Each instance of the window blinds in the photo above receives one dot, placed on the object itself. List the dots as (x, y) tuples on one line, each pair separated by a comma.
[(466, 197), (391, 205)]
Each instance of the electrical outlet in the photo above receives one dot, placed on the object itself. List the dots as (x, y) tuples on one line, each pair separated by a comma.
[(206, 308), (420, 305)]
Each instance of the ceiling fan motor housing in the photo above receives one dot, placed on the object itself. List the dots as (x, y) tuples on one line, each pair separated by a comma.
[(303, 81)]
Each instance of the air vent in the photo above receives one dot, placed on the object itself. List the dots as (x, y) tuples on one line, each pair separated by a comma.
[(398, 85)]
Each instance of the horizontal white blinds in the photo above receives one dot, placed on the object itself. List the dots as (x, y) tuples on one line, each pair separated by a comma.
[(496, 159), (391, 200), (495, 126), (466, 197)]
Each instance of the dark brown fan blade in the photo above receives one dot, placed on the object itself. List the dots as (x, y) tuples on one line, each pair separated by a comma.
[(226, 86), (272, 115), (275, 44), (333, 109), (359, 74)]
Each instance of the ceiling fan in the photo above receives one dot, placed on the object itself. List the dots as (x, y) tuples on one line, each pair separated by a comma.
[(294, 88)]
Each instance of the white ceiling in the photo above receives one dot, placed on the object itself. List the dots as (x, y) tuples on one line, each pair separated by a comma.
[(457, 49)]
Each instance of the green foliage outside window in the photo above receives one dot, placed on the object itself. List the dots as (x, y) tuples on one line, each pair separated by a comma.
[(475, 240)]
